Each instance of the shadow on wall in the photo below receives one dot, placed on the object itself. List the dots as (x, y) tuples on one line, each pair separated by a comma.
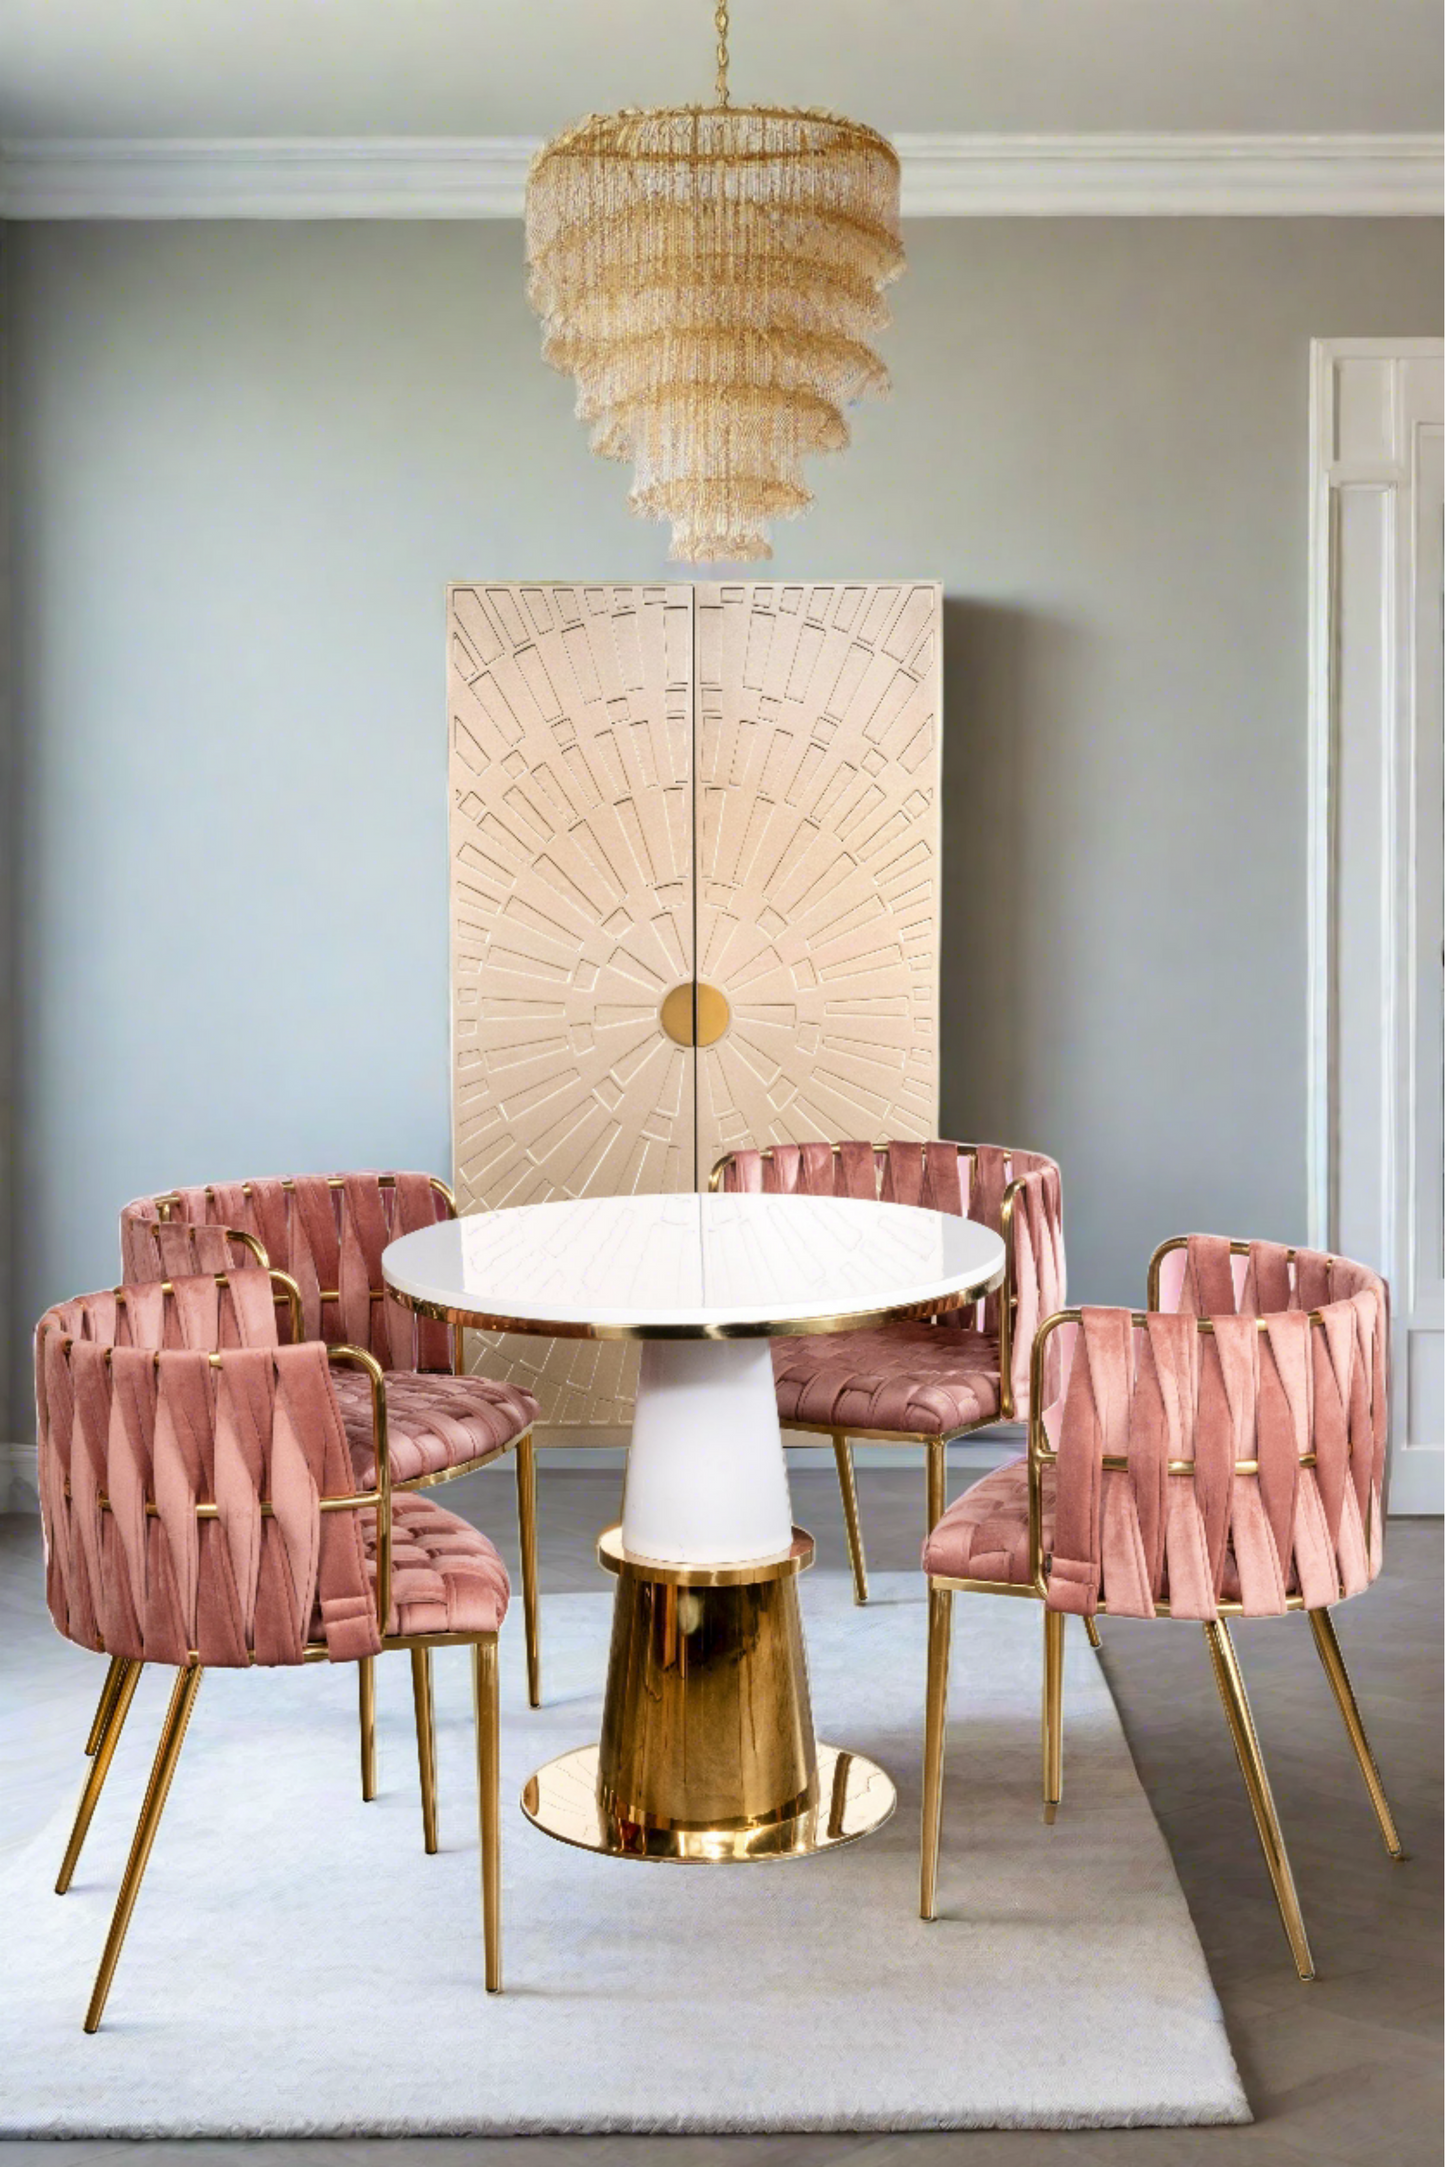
[(1016, 870)]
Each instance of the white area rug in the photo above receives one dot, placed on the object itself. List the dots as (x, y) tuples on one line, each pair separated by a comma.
[(297, 1966)]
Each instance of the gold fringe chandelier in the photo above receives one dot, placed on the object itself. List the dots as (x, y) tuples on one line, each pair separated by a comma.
[(711, 276)]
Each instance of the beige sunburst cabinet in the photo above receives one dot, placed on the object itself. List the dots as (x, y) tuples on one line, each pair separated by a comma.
[(694, 893)]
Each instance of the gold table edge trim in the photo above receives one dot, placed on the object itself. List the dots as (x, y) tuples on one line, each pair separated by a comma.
[(481, 1320)]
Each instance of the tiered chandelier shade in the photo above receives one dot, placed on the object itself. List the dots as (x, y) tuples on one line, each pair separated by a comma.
[(711, 277)]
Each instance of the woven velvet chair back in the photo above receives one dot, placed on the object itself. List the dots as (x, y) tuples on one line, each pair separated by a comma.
[(970, 1180), (152, 1401), (328, 1232), (1244, 1461)]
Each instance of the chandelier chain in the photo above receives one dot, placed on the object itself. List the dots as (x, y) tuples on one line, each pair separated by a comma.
[(720, 22)]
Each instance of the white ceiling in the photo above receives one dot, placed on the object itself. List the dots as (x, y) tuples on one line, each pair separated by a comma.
[(521, 67)]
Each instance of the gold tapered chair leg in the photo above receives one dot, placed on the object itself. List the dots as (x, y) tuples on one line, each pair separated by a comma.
[(940, 1630), (489, 1810), (1093, 1632), (1230, 1681), (937, 1482), (848, 1485), (1322, 1625), (527, 1538), (1053, 1712), (168, 1752), (128, 1678), (109, 1694), (366, 1691), (426, 1743)]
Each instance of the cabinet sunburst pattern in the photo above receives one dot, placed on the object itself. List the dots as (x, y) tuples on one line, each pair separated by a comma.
[(652, 786), (817, 861)]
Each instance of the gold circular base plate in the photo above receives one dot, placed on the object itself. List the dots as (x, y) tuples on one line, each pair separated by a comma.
[(854, 1798)]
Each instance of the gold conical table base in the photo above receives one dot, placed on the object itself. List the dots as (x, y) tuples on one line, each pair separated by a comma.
[(707, 1751)]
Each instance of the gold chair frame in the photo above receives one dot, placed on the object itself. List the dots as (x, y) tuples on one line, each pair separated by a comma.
[(936, 1443), (113, 1686), (1224, 1660), (525, 1451), (124, 1672), (524, 1446)]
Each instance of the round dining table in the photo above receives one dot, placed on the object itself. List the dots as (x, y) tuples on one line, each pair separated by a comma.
[(707, 1749)]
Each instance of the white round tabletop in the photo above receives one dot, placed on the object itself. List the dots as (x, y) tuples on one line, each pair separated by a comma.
[(693, 1267)]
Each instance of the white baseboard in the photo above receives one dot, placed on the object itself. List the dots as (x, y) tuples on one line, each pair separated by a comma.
[(607, 1448), (1417, 1482), (18, 1490)]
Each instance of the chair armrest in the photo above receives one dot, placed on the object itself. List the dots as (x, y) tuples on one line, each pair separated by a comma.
[(360, 1359), (1029, 1293), (1008, 1303), (1041, 1452), (1156, 1267), (287, 1287)]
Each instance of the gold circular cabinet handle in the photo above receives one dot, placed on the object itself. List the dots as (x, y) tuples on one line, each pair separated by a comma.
[(695, 1014)]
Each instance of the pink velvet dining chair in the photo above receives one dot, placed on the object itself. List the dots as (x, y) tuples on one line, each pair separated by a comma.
[(932, 1382), (1219, 1455), (328, 1231), (201, 1508)]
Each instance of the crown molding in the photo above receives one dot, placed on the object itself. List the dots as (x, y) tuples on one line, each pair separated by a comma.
[(266, 177), (1173, 176), (944, 176)]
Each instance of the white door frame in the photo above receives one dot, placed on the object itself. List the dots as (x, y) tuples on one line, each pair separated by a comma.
[(1371, 1131)]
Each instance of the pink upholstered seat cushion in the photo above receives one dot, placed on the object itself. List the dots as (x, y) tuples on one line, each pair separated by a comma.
[(433, 1422), (445, 1575), (984, 1535), (969, 1179), (931, 1379)]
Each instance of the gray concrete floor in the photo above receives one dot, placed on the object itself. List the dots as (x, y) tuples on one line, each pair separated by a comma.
[(1341, 2072)]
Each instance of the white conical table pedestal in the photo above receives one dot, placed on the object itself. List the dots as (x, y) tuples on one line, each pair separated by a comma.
[(707, 1750), (707, 1483)]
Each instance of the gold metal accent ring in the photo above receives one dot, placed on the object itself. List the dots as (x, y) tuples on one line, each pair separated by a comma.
[(783, 1566)]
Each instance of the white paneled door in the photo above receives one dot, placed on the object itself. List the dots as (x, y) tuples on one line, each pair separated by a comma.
[(1378, 833), (694, 893)]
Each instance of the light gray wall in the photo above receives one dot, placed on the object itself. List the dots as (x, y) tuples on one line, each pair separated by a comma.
[(245, 461), (9, 899)]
